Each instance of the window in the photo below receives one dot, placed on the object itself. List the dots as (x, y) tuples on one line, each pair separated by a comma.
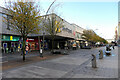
[(8, 23), (4, 15), (4, 21), (0, 14)]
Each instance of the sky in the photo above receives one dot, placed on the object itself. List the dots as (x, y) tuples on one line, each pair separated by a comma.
[(102, 17)]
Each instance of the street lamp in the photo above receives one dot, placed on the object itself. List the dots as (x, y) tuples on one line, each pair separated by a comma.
[(42, 49), (43, 39)]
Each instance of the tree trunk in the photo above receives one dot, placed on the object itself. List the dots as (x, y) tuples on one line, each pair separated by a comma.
[(39, 43), (24, 43), (52, 44)]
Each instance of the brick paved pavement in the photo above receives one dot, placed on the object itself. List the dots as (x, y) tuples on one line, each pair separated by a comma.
[(75, 65), (14, 60), (5, 57), (107, 68)]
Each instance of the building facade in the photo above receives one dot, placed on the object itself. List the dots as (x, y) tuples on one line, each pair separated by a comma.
[(11, 41), (118, 34)]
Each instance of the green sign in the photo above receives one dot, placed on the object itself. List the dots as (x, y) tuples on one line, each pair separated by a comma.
[(10, 38)]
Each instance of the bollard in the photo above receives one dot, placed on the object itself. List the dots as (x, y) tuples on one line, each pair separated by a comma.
[(94, 65), (101, 54), (41, 55)]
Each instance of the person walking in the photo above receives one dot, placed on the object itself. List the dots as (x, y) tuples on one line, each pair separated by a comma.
[(113, 47), (26, 49), (107, 47), (12, 50)]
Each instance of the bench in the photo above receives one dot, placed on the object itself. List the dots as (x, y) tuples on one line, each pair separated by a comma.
[(56, 51)]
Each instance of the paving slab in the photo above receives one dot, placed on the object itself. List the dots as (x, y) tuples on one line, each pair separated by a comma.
[(75, 65)]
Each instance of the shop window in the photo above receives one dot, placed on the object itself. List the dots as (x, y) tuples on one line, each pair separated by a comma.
[(4, 15), (4, 21), (8, 17)]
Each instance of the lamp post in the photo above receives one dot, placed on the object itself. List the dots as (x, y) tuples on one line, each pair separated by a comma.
[(43, 39), (42, 49)]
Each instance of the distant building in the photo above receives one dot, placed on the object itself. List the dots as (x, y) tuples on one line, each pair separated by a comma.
[(118, 24), (118, 33), (78, 32), (110, 40)]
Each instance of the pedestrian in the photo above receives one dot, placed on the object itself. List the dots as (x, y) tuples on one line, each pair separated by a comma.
[(113, 47), (22, 51), (26, 49), (11, 49), (29, 47), (107, 47)]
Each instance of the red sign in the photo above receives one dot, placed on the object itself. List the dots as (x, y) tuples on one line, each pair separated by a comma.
[(27, 40), (74, 33)]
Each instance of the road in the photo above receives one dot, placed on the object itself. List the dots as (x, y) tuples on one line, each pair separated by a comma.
[(75, 65)]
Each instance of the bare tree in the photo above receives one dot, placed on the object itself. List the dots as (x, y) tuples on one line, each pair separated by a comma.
[(53, 25)]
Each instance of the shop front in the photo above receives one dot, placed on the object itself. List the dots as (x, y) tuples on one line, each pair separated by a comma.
[(10, 43), (33, 44)]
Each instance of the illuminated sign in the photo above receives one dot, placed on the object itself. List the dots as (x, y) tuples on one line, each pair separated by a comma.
[(3, 37), (68, 30), (11, 37)]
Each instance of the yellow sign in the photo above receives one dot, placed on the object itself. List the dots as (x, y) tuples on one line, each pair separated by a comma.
[(19, 46), (59, 30), (11, 37)]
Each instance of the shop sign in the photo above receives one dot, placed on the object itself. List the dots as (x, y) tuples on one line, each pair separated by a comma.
[(11, 37), (3, 37), (68, 30), (31, 39), (27, 40), (74, 33)]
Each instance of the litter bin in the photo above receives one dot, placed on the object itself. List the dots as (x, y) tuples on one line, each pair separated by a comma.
[(41, 53)]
